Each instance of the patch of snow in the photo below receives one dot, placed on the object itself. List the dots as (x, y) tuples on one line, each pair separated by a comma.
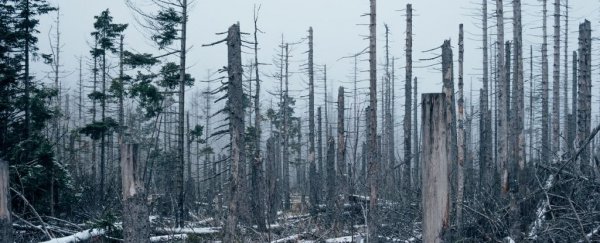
[(203, 230), (78, 237), (168, 237)]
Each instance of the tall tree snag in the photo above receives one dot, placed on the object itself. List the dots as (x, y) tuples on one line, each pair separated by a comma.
[(136, 227)]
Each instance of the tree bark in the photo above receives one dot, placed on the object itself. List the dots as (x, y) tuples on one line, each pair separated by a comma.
[(372, 123), (341, 148), (407, 109), (461, 133), (556, 82), (502, 95), (584, 96), (545, 158), (6, 230), (236, 130), (257, 176), (436, 161), (136, 227), (181, 130), (314, 184)]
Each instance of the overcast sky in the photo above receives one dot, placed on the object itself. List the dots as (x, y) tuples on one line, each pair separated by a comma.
[(339, 31)]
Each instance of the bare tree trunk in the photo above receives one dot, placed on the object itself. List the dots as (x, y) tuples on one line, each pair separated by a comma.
[(437, 157), (236, 130), (573, 121), (314, 183), (566, 116), (502, 96), (341, 148), (257, 176), (321, 166), (485, 125), (331, 182), (416, 153), (271, 179), (556, 82), (6, 230), (545, 89), (181, 130), (584, 100), (517, 166), (136, 227), (407, 108), (461, 134), (286, 136), (372, 123)]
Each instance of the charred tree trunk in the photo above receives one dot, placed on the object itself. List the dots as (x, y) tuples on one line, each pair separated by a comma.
[(136, 227), (437, 156), (236, 129), (6, 230)]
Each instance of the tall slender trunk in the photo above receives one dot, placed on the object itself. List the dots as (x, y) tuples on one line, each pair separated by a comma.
[(407, 109), (321, 165), (461, 133), (502, 96), (566, 116), (417, 152), (26, 77), (545, 89), (372, 123), (485, 123), (257, 176), (179, 174), (341, 148), (574, 92), (57, 129), (314, 184), (286, 135), (331, 181), (236, 130), (556, 82)]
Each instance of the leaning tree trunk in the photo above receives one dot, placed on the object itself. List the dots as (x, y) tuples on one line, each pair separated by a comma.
[(236, 129), (584, 96), (136, 227), (6, 230), (437, 156), (372, 123)]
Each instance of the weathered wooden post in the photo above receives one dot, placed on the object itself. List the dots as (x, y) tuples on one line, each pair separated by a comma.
[(135, 207), (436, 158)]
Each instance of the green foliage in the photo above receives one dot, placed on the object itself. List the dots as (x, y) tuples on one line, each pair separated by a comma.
[(148, 94), (96, 95), (167, 21), (196, 134), (107, 31), (138, 60), (170, 76), (95, 129)]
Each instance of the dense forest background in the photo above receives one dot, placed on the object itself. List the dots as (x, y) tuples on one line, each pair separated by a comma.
[(235, 121)]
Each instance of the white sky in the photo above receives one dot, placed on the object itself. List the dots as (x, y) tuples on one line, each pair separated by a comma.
[(337, 33)]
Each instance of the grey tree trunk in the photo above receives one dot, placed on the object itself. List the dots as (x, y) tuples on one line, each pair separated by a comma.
[(258, 208), (236, 129), (502, 95), (314, 183), (6, 230), (556, 82), (416, 153), (461, 134), (566, 116), (179, 174), (341, 148), (286, 135), (407, 108), (136, 227), (448, 90), (271, 179), (545, 158), (321, 165), (517, 140), (584, 95), (331, 182), (485, 123), (437, 157), (574, 91), (372, 123)]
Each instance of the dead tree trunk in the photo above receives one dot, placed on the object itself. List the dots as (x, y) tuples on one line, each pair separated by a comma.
[(286, 135), (461, 133), (372, 123), (566, 116), (331, 183), (271, 179), (556, 82), (236, 129), (545, 158), (321, 167), (136, 227), (436, 162), (407, 108), (416, 153), (502, 96), (584, 96), (485, 122), (6, 230), (573, 117), (517, 140), (314, 184), (258, 208), (448, 90), (341, 148)]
